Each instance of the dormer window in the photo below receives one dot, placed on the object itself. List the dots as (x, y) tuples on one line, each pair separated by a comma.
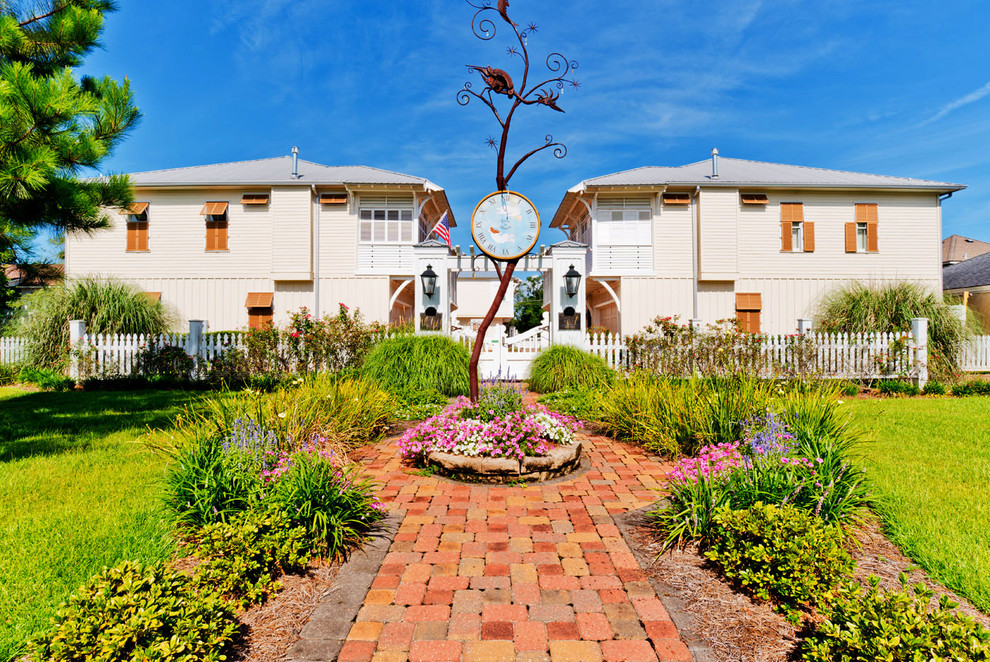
[(216, 225), (137, 227)]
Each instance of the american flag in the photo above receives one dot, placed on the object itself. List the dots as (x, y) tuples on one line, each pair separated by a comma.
[(442, 229)]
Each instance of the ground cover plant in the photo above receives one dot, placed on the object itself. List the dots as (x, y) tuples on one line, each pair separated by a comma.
[(419, 363), (563, 367), (77, 493), (861, 308), (928, 460), (498, 425)]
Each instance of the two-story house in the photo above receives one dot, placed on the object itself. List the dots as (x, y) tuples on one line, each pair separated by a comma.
[(761, 242), (246, 242)]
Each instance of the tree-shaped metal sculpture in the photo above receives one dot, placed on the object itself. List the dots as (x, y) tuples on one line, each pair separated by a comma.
[(498, 83)]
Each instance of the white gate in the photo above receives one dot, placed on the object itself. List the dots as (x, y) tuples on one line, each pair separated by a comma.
[(509, 357)]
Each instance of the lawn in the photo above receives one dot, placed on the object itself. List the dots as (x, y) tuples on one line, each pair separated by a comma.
[(930, 460), (77, 491)]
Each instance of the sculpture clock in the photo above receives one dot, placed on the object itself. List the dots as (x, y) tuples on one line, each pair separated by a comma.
[(505, 225)]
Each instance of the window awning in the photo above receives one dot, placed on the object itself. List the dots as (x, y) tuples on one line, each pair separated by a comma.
[(259, 300), (749, 301), (137, 209), (755, 199), (254, 199), (154, 296), (333, 198), (676, 198), (214, 209)]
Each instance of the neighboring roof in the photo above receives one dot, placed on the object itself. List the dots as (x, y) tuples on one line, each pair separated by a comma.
[(974, 272), (958, 248), (274, 171), (740, 172), (35, 275)]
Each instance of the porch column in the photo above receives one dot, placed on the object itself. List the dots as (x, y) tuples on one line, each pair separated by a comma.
[(439, 257), (563, 256)]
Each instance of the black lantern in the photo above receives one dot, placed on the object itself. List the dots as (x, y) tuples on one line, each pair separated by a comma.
[(572, 279), (429, 281)]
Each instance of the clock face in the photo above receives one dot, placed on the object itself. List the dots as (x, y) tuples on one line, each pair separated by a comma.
[(505, 225)]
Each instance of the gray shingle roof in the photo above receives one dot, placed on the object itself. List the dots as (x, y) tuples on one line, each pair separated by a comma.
[(274, 171), (973, 272), (740, 172)]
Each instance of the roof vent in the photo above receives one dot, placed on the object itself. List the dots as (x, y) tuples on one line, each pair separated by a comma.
[(295, 162), (714, 162)]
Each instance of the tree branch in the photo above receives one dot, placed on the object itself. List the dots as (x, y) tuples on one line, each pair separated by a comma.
[(40, 17)]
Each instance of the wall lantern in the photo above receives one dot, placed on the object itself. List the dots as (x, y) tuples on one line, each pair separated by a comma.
[(572, 279), (429, 281)]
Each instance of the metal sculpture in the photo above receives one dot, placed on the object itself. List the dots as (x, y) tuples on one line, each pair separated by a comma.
[(499, 82)]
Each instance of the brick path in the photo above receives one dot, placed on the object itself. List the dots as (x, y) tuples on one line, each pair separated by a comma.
[(514, 574)]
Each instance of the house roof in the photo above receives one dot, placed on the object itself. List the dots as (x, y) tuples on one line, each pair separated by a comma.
[(958, 248), (974, 272), (273, 171), (742, 173), (277, 171)]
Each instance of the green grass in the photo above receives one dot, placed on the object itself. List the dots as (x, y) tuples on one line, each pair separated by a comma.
[(78, 491), (930, 460)]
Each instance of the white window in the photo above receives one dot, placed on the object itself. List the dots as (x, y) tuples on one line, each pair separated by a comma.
[(797, 236), (386, 220), (625, 221), (861, 237)]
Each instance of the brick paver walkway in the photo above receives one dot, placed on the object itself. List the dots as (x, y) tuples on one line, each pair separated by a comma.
[(511, 574)]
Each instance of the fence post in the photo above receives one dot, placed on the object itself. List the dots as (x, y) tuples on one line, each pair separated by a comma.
[(804, 325), (194, 343), (77, 329), (919, 329)]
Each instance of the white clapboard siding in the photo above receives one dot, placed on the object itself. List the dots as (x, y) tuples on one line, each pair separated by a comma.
[(385, 259)]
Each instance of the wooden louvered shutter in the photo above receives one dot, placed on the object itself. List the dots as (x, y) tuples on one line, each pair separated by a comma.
[(790, 213), (809, 237), (785, 236), (749, 321), (867, 213), (137, 235), (851, 237), (131, 237)]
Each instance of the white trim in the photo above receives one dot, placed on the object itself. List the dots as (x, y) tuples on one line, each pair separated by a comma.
[(398, 291)]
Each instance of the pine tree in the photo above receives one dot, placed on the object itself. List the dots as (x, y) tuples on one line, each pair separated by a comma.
[(55, 130)]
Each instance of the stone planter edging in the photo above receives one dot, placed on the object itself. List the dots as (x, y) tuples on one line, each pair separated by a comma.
[(558, 462)]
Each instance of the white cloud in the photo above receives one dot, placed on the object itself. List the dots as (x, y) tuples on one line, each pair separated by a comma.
[(972, 97)]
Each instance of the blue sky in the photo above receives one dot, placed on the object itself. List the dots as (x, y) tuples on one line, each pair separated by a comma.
[(898, 88)]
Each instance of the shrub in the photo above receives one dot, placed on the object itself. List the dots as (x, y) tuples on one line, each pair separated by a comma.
[(419, 363), (106, 305), (897, 387), (869, 625), (849, 389), (333, 504), (973, 387), (139, 612), (242, 560), (45, 378), (165, 362), (772, 466), (579, 403), (934, 388), (859, 308), (779, 553), (562, 367), (8, 374)]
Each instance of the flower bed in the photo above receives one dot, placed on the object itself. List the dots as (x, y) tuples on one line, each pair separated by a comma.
[(495, 444)]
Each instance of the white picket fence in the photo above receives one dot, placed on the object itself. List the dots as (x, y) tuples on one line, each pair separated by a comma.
[(13, 350), (850, 355), (975, 355), (118, 353)]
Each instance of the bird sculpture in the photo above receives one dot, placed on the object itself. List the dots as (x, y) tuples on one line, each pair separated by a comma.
[(503, 9), (549, 99), (497, 79)]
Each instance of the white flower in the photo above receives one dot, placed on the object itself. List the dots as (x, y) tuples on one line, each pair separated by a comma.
[(281, 415)]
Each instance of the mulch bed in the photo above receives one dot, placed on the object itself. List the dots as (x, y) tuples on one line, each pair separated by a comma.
[(273, 628), (738, 629)]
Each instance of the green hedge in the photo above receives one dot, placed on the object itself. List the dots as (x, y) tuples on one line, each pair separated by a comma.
[(419, 363)]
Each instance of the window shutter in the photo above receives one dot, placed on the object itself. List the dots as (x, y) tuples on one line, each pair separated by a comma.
[(785, 236), (749, 301), (851, 237), (131, 237), (872, 238), (222, 236), (809, 237), (866, 212), (211, 236), (749, 321)]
